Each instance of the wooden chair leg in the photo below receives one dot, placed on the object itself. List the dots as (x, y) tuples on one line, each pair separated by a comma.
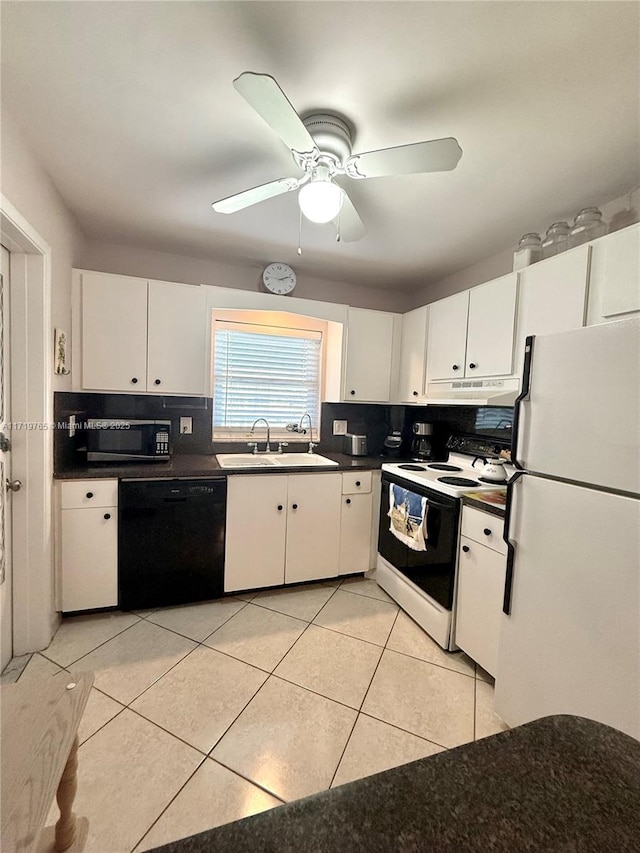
[(66, 826)]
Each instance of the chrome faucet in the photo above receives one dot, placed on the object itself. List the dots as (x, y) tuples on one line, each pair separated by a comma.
[(311, 442), (255, 444)]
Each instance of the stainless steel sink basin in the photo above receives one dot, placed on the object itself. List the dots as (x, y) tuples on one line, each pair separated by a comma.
[(274, 460)]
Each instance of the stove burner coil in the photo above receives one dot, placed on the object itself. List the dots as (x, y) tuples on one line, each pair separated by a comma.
[(457, 481)]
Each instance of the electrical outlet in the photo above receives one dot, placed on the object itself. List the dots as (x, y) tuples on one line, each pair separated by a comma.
[(339, 427), (186, 426)]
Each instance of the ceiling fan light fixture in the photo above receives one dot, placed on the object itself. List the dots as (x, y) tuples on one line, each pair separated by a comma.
[(321, 200)]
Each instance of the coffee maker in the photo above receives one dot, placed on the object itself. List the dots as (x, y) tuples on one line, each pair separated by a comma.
[(422, 443)]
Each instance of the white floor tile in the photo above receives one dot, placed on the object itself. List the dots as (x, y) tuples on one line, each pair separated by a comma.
[(487, 721), (37, 668), (375, 746), (212, 797), (257, 636), (128, 772), (332, 664), (408, 638), (98, 711), (197, 621), (301, 602), (421, 698), (365, 586), (79, 635), (200, 697), (287, 740), (132, 661), (358, 616)]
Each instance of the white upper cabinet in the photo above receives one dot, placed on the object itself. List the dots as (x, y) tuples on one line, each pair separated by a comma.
[(413, 355), (369, 355), (492, 310), (176, 338), (448, 336), (114, 332), (552, 298), (142, 336), (471, 333), (614, 284)]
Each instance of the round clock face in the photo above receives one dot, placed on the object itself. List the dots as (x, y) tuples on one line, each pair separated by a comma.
[(279, 278)]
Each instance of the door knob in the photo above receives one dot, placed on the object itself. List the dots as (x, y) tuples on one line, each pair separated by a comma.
[(13, 485)]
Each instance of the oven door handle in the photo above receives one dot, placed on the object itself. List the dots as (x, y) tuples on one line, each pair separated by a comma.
[(511, 545), (421, 494)]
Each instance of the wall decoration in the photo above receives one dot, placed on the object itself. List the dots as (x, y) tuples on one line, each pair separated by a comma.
[(60, 353)]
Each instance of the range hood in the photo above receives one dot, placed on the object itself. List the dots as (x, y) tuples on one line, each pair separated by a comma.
[(472, 392)]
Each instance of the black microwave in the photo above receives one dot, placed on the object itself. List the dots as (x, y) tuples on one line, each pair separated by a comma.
[(126, 440)]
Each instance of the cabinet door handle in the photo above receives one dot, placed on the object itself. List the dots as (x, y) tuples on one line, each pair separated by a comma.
[(348, 501), (89, 495), (352, 392), (157, 382), (280, 507), (473, 365), (134, 379), (486, 531), (107, 516), (357, 482), (455, 367), (466, 549), (294, 506), (415, 393)]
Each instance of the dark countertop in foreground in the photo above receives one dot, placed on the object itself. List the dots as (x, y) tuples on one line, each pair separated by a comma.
[(185, 465), (479, 502), (561, 784)]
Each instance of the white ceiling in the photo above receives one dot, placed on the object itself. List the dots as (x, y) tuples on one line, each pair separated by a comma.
[(131, 109)]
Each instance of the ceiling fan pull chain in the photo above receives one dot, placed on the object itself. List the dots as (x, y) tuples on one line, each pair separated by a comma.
[(300, 233)]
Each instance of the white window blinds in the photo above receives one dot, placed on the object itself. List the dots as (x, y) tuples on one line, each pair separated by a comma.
[(264, 372)]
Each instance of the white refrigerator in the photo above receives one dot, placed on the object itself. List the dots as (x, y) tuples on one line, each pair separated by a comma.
[(570, 633)]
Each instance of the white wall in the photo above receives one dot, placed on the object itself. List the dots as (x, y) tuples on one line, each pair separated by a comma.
[(30, 189), (146, 263), (618, 213)]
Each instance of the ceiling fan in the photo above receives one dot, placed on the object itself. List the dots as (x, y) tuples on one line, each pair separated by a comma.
[(321, 147)]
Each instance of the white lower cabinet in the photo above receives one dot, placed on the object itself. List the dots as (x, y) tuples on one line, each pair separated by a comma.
[(481, 576), (356, 521), (88, 545), (281, 529)]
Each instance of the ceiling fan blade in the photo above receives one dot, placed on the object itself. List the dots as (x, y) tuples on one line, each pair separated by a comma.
[(262, 92), (348, 223), (437, 155), (232, 203)]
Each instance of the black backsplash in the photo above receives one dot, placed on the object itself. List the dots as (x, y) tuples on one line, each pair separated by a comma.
[(373, 420)]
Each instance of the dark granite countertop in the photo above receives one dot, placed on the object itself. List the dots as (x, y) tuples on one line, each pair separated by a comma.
[(185, 465), (560, 785), (484, 505)]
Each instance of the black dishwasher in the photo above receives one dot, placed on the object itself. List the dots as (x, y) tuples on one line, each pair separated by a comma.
[(170, 541)]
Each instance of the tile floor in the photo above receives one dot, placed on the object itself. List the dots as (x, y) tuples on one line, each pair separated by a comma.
[(204, 714)]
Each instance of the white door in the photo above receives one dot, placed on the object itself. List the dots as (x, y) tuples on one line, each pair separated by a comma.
[(413, 355), (581, 419), (571, 644), (448, 337), (176, 338), (355, 533), (492, 312), (368, 355), (313, 527), (614, 282), (6, 602), (114, 333)]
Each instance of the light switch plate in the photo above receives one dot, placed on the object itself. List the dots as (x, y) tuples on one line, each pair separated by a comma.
[(186, 426), (339, 427)]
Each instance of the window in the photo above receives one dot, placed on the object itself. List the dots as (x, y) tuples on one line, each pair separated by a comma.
[(265, 371)]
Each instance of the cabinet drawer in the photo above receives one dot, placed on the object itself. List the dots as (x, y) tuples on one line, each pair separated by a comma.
[(475, 525), (87, 493), (353, 483)]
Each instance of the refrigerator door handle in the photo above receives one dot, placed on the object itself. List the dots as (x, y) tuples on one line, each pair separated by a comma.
[(511, 546), (524, 395)]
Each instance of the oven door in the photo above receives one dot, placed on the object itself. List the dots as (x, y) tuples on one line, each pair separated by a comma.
[(433, 570)]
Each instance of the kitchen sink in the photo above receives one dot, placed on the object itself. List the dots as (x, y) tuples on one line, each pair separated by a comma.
[(275, 460)]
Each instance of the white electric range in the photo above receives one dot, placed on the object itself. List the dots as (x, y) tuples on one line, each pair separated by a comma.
[(419, 573)]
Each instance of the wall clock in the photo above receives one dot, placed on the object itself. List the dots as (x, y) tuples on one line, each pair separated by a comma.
[(279, 278)]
